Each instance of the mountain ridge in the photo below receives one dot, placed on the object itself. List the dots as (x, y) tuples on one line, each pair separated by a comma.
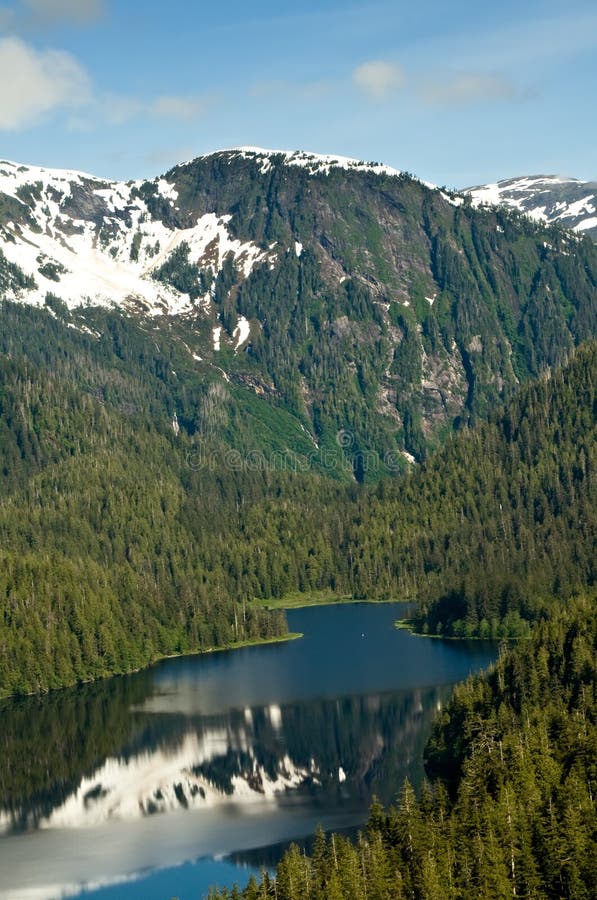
[(357, 297), (567, 201)]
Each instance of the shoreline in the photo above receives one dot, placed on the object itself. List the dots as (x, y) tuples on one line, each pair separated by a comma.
[(406, 625), (323, 598), (238, 645)]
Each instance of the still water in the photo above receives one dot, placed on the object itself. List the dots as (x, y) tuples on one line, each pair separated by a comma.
[(187, 775)]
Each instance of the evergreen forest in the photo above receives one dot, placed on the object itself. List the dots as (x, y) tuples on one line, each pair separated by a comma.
[(123, 539), (509, 810)]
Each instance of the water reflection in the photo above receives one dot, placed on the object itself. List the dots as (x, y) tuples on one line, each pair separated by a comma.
[(206, 756), (335, 752)]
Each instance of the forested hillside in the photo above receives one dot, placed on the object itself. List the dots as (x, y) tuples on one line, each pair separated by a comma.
[(502, 519), (124, 538), (510, 811)]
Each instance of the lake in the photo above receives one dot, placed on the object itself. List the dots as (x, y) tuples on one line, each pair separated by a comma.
[(199, 770)]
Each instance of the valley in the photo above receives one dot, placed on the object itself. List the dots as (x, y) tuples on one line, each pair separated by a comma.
[(257, 384)]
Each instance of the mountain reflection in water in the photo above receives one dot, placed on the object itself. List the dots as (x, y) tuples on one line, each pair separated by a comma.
[(334, 752), (208, 756)]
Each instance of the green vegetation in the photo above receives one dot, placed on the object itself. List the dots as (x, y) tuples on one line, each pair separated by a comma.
[(12, 277), (276, 639), (123, 541), (178, 272), (301, 599), (510, 810), (124, 538), (404, 315)]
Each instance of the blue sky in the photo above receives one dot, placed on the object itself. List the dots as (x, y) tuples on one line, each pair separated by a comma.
[(456, 92)]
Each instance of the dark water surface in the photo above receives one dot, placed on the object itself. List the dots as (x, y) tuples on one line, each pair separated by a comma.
[(165, 782)]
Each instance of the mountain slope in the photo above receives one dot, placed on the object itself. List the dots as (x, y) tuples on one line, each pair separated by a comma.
[(375, 311), (168, 457), (545, 198), (96, 242)]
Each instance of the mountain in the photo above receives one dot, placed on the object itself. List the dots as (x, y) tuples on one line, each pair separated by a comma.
[(102, 242), (359, 311), (545, 198), (205, 380)]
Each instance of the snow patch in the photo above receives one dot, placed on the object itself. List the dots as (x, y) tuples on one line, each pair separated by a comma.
[(587, 223), (452, 199), (315, 163), (543, 198), (167, 190), (579, 207), (275, 716), (216, 336), (109, 256), (241, 332)]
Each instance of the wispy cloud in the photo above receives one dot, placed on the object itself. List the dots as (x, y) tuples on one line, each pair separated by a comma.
[(543, 39), (35, 83), (307, 90), (115, 109), (524, 44), (468, 87), (121, 109), (378, 78), (166, 157), (33, 14), (7, 18), (79, 11), (183, 108)]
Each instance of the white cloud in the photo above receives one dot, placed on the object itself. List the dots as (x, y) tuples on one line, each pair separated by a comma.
[(307, 91), (378, 78), (34, 83), (468, 87), (178, 107), (80, 11)]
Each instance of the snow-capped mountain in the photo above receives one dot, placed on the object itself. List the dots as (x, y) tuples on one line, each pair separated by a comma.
[(271, 269), (169, 779), (546, 198), (314, 163), (99, 242)]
